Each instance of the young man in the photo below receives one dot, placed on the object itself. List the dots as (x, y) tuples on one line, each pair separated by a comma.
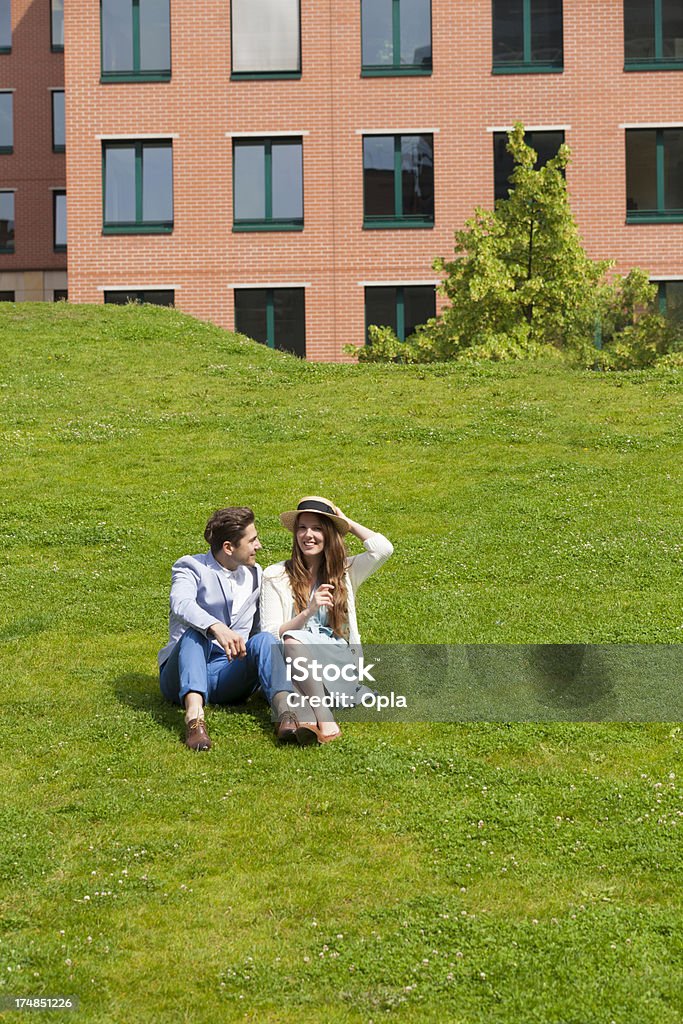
[(215, 652)]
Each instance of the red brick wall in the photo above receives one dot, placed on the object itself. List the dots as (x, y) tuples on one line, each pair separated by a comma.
[(31, 69), (462, 99)]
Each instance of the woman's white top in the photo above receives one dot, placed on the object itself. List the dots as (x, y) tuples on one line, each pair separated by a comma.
[(277, 599)]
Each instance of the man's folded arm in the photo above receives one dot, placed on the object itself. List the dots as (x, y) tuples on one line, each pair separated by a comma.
[(184, 605)]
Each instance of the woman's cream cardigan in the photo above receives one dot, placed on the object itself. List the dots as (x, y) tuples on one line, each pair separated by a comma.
[(277, 599)]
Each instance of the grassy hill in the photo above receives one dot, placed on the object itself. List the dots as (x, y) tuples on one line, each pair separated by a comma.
[(469, 873)]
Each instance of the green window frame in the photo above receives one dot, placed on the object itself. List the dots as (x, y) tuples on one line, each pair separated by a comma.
[(139, 225), (7, 121), (663, 211), (136, 73), (400, 297), (58, 121), (533, 57), (268, 222), (546, 142), (400, 218), (671, 305), (656, 42), (57, 26), (7, 221), (396, 67), (5, 26), (270, 302)]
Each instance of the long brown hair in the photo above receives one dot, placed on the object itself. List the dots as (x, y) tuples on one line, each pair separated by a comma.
[(332, 570)]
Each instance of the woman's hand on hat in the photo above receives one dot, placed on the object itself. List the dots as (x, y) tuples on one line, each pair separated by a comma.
[(342, 515)]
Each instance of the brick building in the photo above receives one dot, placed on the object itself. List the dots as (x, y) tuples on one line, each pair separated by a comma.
[(291, 167), (32, 161)]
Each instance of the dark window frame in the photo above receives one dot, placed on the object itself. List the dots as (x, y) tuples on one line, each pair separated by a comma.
[(136, 74), (139, 226), (57, 247), (138, 292), (662, 214), (8, 49), (58, 148), (399, 219), (246, 76), (7, 150), (528, 65), (55, 47), (396, 68), (11, 248), (7, 292), (268, 222)]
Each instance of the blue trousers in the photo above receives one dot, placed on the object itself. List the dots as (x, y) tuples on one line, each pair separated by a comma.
[(197, 665)]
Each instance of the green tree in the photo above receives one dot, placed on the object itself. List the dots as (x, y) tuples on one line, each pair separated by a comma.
[(521, 285)]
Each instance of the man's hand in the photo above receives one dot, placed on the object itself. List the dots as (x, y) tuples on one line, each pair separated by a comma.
[(232, 643)]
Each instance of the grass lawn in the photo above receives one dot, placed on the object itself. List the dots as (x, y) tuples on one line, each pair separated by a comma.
[(487, 873)]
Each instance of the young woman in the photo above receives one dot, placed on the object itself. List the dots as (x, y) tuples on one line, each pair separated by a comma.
[(309, 601)]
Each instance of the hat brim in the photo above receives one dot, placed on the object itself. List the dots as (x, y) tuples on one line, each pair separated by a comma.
[(288, 519)]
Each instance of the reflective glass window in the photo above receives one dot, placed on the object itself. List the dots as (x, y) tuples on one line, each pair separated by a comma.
[(265, 37)]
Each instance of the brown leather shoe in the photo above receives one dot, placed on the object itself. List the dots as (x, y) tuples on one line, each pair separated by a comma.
[(286, 727), (307, 734), (196, 736)]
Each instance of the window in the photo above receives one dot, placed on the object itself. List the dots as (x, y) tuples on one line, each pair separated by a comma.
[(58, 121), (274, 316), (59, 221), (527, 36), (266, 39), (401, 307), (398, 181), (671, 300), (60, 295), (6, 122), (653, 34), (546, 144), (6, 296), (153, 296), (5, 26), (57, 25), (396, 37), (136, 40), (654, 174), (138, 187), (268, 185), (6, 221)]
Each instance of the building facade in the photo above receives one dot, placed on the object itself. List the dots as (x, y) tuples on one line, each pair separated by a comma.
[(33, 258), (292, 167)]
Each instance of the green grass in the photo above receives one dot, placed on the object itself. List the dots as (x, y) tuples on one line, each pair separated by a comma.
[(473, 874)]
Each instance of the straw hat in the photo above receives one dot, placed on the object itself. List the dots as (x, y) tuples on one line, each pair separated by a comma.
[(320, 506)]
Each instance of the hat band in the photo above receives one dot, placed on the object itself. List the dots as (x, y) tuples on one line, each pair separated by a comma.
[(315, 506)]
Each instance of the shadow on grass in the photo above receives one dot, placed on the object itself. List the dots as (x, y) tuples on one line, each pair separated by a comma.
[(141, 692)]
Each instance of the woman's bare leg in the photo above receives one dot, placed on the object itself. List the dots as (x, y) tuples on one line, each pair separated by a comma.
[(309, 687)]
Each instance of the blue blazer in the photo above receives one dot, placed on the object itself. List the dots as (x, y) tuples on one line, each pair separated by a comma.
[(199, 598)]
